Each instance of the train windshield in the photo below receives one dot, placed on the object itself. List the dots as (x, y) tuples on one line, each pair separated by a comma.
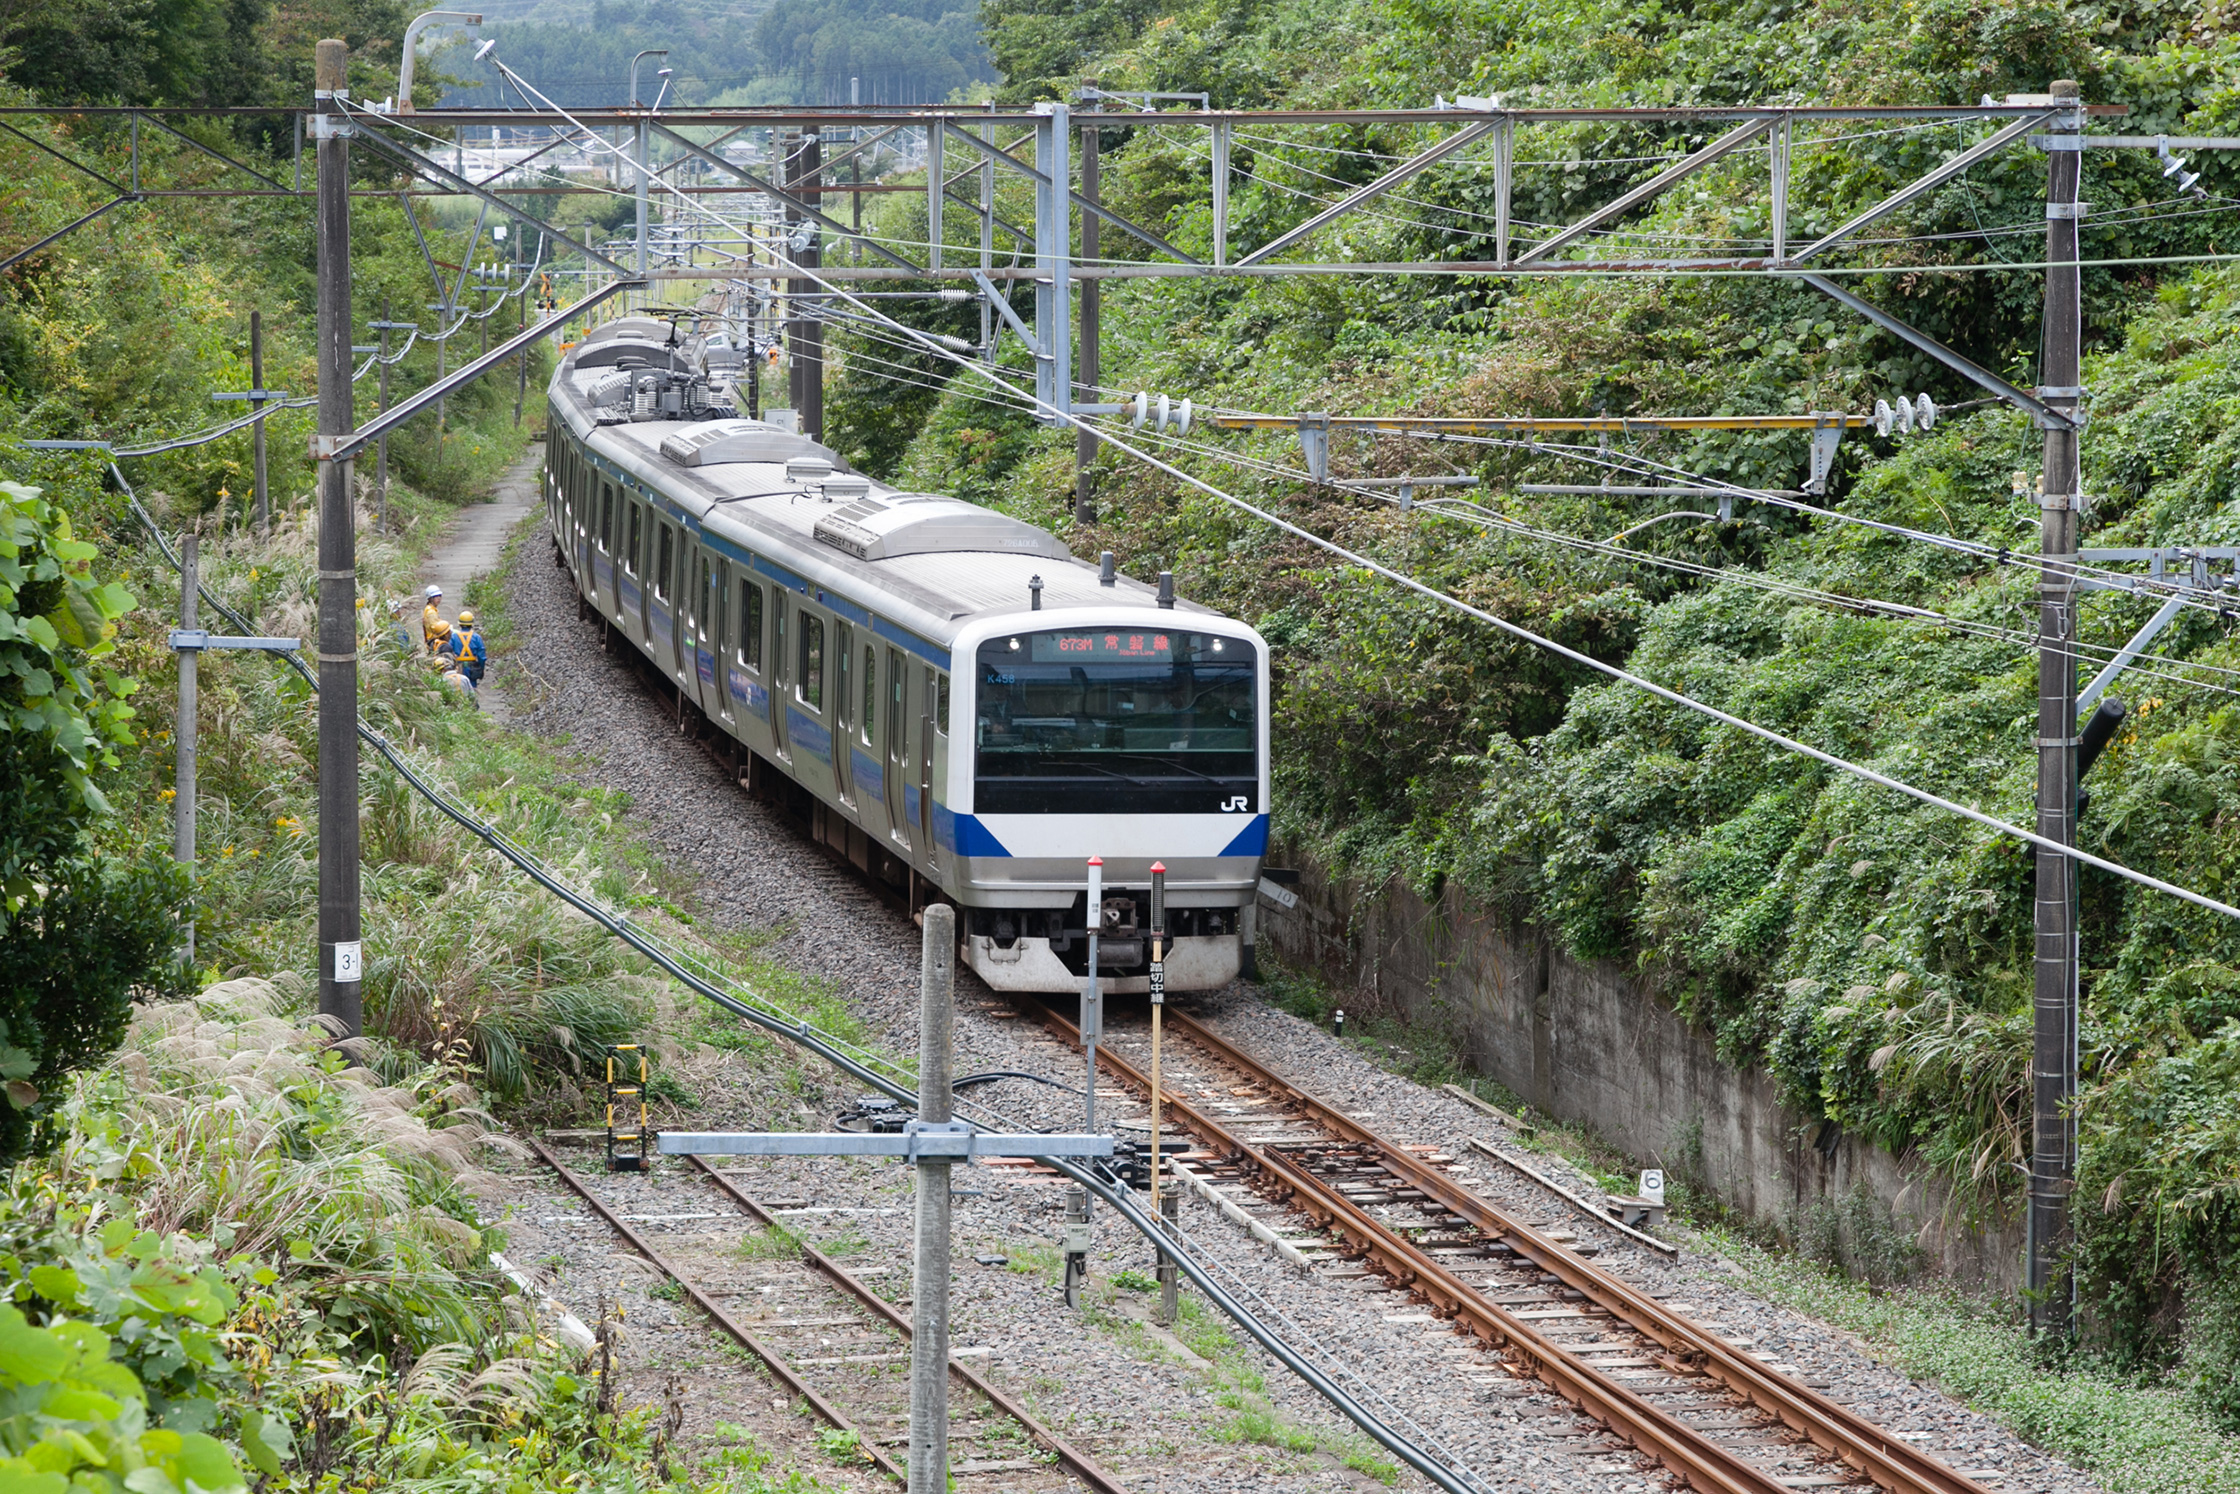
[(1115, 721)]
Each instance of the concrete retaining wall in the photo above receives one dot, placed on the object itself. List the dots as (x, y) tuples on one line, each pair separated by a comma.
[(1585, 1044)]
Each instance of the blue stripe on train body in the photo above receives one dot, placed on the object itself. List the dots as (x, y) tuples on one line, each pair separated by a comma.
[(910, 802), (975, 839), (707, 667), (1250, 841), (745, 689), (664, 630), (807, 733), (632, 593), (871, 779), (602, 571)]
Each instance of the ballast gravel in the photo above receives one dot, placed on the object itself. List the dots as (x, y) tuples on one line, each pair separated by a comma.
[(1165, 1411)]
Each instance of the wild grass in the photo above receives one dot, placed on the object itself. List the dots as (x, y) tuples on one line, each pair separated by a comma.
[(286, 1252), (2132, 1438)]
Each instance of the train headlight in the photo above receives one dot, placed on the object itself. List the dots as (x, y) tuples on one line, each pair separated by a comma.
[(1217, 645), (1014, 645)]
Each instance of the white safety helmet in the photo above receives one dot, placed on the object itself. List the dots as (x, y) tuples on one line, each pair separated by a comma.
[(434, 592)]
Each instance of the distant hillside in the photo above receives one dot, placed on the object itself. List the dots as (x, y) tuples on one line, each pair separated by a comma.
[(762, 52)]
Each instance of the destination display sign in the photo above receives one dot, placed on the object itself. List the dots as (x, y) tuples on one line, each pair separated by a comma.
[(1101, 645)]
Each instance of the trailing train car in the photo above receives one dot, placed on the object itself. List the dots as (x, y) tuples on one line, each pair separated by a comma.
[(961, 708)]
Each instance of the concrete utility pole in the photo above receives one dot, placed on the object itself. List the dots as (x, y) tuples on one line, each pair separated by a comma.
[(929, 1291), (1092, 304), (183, 736), (341, 956), (2053, 1058)]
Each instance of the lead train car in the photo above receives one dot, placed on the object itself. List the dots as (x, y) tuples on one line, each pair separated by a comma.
[(883, 652)]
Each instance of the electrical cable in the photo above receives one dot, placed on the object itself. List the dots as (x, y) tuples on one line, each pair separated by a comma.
[(716, 985)]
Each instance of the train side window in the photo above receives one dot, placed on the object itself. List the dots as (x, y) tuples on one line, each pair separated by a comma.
[(941, 712), (842, 648), (606, 516), (870, 695), (750, 625), (630, 557), (809, 681), (661, 575), (705, 614)]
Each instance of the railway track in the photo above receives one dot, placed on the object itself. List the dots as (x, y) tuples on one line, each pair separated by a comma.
[(1702, 1408), (812, 1297)]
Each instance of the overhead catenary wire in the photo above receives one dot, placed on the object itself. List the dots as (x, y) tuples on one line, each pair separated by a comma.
[(892, 1078), (1526, 635)]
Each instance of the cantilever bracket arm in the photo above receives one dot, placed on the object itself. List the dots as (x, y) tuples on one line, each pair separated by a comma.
[(2090, 694), (342, 448), (772, 189), (998, 154), (1002, 305), (1726, 144), (1984, 378), (420, 165), (1377, 188)]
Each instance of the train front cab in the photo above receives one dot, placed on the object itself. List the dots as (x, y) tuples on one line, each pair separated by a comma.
[(1134, 737)]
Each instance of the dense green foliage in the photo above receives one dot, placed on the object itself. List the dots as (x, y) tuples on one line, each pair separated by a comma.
[(80, 926), (1871, 954)]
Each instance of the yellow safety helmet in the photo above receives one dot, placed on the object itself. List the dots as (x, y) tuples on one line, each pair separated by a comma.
[(465, 616)]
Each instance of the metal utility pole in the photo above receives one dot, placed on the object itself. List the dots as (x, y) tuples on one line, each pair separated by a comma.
[(2053, 1058), (803, 168), (1092, 302), (183, 734), (256, 402), (929, 1290), (341, 956)]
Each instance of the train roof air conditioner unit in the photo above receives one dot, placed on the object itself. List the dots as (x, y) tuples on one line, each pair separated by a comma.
[(717, 441)]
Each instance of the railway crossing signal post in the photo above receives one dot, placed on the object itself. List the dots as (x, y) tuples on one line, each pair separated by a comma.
[(934, 1142), (341, 955)]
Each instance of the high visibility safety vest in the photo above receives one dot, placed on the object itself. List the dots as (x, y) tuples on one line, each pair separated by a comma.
[(434, 631), (472, 653)]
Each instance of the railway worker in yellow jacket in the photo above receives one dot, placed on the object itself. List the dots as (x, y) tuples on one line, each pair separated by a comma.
[(434, 631)]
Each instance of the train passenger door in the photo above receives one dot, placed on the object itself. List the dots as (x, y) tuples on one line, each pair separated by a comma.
[(843, 652), (703, 660), (602, 564), (781, 687), (632, 583), (719, 644), (925, 767), (898, 748)]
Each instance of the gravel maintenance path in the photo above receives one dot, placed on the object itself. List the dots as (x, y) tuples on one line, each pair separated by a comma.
[(1188, 1410)]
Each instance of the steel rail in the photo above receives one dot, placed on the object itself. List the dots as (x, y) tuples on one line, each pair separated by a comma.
[(1682, 1449), (1092, 1473), (1889, 1461), (730, 1325)]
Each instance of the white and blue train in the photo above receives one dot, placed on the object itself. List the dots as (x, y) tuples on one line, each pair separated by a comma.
[(942, 693)]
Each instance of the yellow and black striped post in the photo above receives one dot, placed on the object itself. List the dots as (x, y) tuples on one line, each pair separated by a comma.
[(622, 1092)]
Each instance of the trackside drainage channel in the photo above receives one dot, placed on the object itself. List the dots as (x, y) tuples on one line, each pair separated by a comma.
[(713, 984)]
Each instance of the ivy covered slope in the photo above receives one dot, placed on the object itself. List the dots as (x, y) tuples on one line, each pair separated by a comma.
[(1872, 954)]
